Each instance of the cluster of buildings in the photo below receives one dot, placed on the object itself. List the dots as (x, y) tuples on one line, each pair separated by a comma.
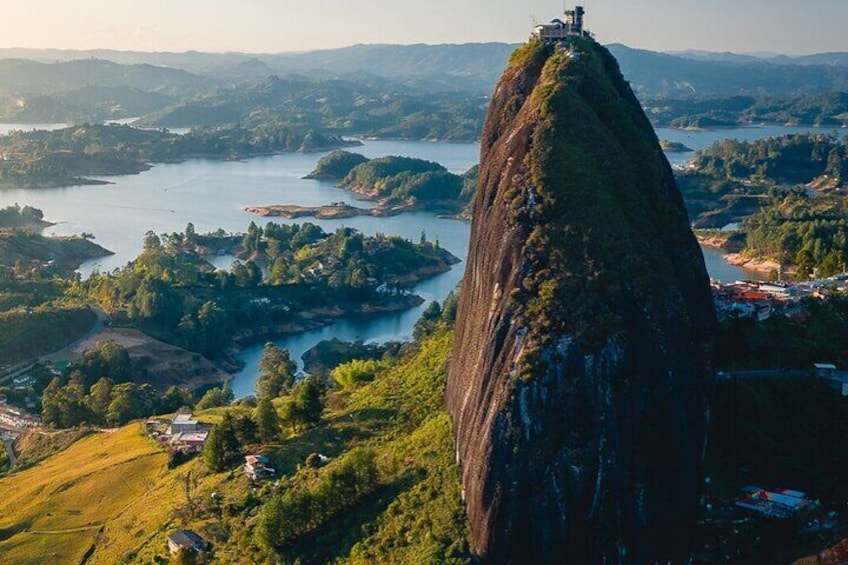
[(23, 383), (16, 419), (183, 433), (559, 30), (780, 503), (760, 300), (755, 299)]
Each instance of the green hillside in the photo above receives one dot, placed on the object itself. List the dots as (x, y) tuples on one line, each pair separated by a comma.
[(111, 498), (56, 511)]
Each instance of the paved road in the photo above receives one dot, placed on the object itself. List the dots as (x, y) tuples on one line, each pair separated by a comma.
[(12, 459), (63, 353)]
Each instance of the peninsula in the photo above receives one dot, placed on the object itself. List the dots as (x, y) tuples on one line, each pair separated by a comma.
[(72, 155)]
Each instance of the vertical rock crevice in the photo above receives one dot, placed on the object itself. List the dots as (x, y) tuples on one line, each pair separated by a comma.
[(584, 333)]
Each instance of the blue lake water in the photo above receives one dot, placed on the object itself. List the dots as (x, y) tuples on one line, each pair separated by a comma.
[(213, 194)]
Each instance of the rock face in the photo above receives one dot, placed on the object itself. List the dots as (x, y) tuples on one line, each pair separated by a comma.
[(584, 334)]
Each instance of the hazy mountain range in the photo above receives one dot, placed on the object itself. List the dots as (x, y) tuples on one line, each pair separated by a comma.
[(57, 85)]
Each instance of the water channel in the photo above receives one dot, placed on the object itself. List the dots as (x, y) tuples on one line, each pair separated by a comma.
[(213, 194)]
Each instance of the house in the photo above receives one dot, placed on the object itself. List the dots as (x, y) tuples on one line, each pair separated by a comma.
[(189, 441), (186, 540), (183, 422), (256, 468)]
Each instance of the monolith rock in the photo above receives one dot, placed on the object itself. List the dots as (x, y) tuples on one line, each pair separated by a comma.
[(581, 368)]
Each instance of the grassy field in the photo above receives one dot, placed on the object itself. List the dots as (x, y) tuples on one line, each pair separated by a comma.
[(55, 511)]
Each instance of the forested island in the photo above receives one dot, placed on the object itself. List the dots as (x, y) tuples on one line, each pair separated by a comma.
[(69, 156), (310, 278), (673, 146), (397, 184), (22, 246)]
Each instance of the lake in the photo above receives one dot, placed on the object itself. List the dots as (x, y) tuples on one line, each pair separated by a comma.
[(212, 195)]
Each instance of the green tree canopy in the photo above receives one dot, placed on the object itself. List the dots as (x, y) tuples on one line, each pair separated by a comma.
[(276, 372)]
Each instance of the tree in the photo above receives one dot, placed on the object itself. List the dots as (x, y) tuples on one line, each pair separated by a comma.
[(129, 402), (428, 322), (156, 301), (450, 306), (51, 404), (99, 398), (246, 430), (306, 404), (222, 449), (276, 372), (252, 239), (4, 458), (253, 273), (174, 399), (190, 234), (353, 374), (267, 420), (106, 359), (213, 325), (216, 397), (152, 241)]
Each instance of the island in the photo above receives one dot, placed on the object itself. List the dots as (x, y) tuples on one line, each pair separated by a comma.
[(674, 147), (396, 184), (333, 211), (287, 278)]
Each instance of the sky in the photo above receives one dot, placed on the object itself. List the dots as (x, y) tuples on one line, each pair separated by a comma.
[(270, 26)]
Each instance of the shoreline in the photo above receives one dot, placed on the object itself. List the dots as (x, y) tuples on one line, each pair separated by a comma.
[(760, 265), (138, 168), (733, 255), (746, 125), (308, 321), (336, 211), (727, 241)]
